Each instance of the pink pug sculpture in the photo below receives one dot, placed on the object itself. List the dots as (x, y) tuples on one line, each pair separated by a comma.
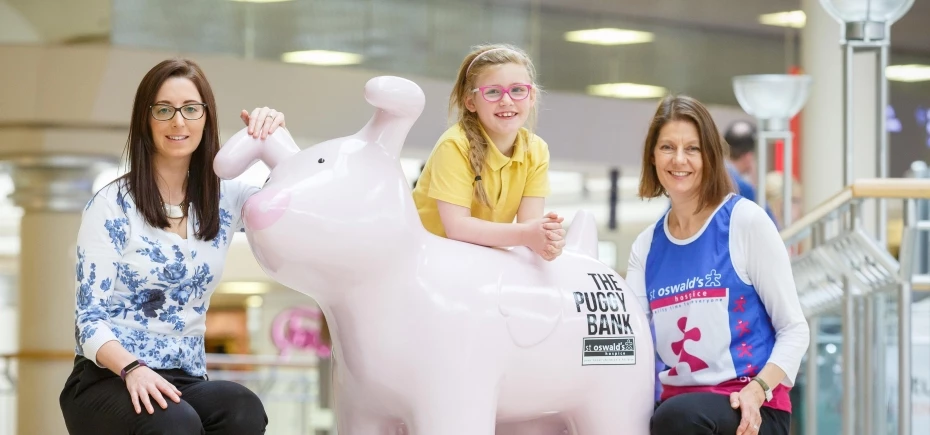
[(434, 336)]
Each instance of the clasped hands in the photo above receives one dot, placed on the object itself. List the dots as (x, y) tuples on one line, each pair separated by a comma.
[(546, 236)]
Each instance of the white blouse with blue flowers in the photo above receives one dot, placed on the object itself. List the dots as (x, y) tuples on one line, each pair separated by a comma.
[(146, 287)]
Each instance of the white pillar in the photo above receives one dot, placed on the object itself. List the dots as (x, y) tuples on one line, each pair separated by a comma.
[(822, 161), (822, 150), (52, 190)]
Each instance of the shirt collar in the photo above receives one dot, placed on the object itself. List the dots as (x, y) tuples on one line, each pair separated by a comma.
[(496, 159)]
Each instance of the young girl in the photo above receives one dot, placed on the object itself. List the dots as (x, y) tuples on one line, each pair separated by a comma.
[(488, 168)]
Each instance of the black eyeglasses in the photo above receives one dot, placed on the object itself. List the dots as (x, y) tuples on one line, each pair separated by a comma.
[(190, 112)]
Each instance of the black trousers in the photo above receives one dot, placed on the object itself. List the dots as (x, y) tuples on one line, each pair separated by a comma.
[(96, 401), (710, 414)]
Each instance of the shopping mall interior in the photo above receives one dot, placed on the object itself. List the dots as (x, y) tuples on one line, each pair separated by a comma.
[(837, 90)]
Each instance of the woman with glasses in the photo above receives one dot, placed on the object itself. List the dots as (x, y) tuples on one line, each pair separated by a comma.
[(489, 167), (150, 252)]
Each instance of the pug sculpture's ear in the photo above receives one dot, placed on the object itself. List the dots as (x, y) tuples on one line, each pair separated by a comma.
[(242, 151)]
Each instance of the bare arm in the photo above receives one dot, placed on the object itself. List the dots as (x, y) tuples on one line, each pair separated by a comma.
[(772, 375), (145, 385), (460, 225), (531, 207), (114, 356)]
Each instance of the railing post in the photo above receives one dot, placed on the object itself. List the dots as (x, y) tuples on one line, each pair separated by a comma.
[(850, 364), (810, 391), (866, 359), (849, 358), (879, 391), (906, 257), (813, 352)]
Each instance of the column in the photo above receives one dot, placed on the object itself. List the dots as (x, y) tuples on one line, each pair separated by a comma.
[(52, 191), (822, 176), (822, 118)]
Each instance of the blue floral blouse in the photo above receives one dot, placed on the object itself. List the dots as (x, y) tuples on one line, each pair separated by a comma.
[(147, 287)]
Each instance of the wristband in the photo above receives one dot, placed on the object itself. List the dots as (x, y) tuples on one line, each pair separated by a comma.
[(130, 367), (765, 388)]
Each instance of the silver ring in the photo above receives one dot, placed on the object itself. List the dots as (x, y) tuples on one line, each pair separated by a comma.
[(756, 427), (270, 116)]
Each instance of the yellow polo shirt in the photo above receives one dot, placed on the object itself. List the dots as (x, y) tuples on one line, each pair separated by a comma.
[(448, 177)]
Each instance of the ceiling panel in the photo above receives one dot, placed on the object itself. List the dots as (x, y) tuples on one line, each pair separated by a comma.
[(699, 46), (910, 33)]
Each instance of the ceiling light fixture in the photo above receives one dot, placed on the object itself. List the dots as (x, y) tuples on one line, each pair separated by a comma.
[(627, 90), (609, 36), (321, 57), (795, 19), (908, 73)]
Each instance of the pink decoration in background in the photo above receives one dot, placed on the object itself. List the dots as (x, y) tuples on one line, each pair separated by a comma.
[(298, 329)]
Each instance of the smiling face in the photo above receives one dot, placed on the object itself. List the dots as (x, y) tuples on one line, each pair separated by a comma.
[(678, 161), (504, 117), (177, 138)]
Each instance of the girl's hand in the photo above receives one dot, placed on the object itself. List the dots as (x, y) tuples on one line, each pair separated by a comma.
[(556, 238), (545, 236)]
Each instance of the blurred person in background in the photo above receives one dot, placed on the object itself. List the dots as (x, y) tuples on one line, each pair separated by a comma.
[(774, 194), (741, 165)]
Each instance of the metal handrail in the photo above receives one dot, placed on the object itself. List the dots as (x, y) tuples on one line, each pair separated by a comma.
[(852, 271), (884, 188)]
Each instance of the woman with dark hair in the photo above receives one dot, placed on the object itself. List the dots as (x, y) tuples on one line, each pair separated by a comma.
[(150, 252), (714, 276)]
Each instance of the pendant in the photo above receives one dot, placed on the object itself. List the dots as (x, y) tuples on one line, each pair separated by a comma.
[(173, 211)]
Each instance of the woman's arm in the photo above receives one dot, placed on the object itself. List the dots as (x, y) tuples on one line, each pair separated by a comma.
[(102, 236), (768, 268), (636, 269), (103, 233), (636, 280)]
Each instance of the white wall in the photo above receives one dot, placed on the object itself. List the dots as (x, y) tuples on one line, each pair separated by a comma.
[(14, 27)]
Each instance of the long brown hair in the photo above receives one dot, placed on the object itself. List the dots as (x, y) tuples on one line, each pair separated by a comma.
[(715, 180), (203, 186), (480, 59)]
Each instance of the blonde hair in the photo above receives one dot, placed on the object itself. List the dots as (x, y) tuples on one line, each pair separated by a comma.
[(478, 61), (774, 190), (774, 195)]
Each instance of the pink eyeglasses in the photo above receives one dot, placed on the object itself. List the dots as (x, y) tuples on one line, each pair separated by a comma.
[(495, 93)]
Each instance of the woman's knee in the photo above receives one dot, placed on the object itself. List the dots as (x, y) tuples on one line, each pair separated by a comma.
[(693, 413), (244, 408), (177, 418), (671, 417)]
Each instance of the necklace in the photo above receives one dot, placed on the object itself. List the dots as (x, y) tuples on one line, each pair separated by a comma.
[(173, 211)]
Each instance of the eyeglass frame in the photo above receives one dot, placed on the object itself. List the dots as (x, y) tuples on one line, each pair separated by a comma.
[(178, 110), (481, 89)]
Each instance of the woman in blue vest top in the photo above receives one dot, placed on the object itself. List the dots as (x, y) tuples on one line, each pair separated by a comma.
[(716, 279)]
